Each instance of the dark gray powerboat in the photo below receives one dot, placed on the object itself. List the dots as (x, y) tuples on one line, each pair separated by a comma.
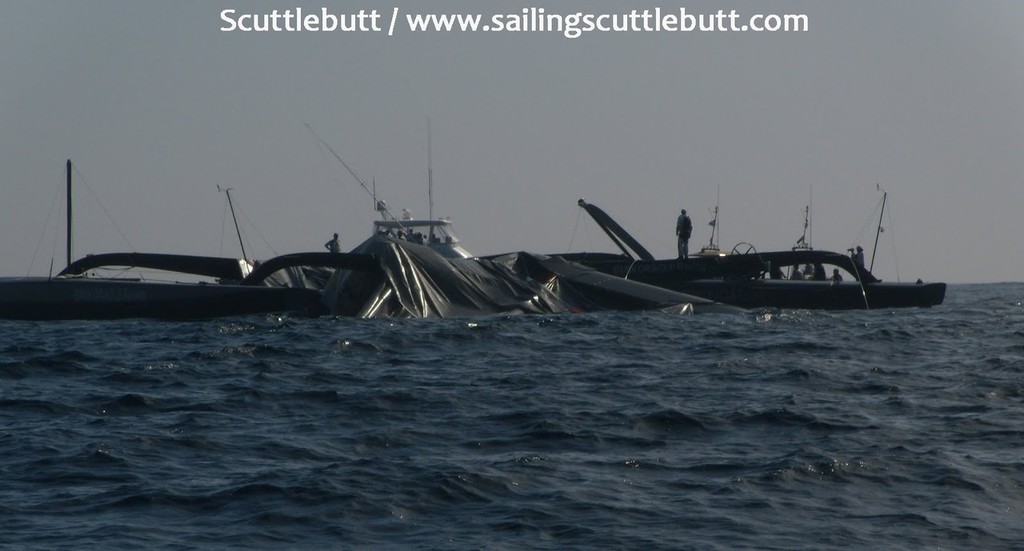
[(752, 279)]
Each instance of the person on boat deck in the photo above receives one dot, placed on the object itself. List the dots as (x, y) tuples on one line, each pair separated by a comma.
[(684, 227), (333, 245), (819, 273), (858, 257), (835, 275), (797, 273)]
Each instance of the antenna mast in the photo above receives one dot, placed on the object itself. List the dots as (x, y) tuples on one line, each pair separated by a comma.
[(714, 220), (430, 175), (804, 242), (809, 221), (713, 224), (430, 183)]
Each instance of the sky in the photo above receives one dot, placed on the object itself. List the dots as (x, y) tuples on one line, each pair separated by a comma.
[(157, 107)]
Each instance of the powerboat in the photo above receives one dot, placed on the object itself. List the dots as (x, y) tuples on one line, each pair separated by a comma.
[(436, 234), (798, 278)]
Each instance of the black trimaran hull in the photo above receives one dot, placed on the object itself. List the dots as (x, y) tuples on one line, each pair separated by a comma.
[(822, 295), (385, 277), (70, 297), (56, 299)]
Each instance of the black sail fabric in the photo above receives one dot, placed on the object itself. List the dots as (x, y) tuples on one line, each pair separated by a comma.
[(416, 281)]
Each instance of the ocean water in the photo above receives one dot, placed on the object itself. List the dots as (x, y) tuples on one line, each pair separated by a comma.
[(772, 429)]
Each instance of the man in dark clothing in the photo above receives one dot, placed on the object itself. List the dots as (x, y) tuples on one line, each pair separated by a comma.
[(333, 245), (683, 230), (858, 256)]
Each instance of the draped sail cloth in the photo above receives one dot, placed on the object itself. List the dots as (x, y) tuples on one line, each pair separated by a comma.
[(413, 280)]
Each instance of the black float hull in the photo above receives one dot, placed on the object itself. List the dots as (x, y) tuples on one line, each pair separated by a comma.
[(819, 295), (57, 299), (739, 280)]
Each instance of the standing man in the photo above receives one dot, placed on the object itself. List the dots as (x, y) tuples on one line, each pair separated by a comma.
[(333, 245), (858, 257), (683, 229)]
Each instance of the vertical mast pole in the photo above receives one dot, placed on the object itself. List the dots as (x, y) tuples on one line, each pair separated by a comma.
[(885, 194), (233, 218), (69, 212), (430, 175)]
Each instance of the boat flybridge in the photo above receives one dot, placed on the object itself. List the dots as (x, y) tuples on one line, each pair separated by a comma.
[(436, 233)]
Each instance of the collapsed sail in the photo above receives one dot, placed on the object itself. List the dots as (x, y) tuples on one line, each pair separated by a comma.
[(415, 281)]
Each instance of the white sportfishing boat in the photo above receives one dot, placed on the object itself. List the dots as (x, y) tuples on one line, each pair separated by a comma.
[(434, 233)]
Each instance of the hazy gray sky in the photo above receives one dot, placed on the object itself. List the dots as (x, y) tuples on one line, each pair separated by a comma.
[(156, 106)]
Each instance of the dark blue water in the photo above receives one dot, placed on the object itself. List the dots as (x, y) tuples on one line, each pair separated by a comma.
[(768, 430)]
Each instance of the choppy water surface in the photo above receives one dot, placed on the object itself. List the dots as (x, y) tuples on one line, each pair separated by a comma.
[(768, 430)]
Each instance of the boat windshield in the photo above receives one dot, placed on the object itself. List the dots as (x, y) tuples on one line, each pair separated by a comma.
[(437, 234)]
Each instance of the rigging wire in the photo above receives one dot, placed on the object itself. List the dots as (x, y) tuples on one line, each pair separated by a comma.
[(871, 218), (885, 228), (42, 233), (56, 237), (243, 239), (223, 225), (257, 230), (574, 227), (586, 233), (102, 206), (892, 240)]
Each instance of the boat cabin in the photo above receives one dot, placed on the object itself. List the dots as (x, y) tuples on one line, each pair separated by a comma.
[(436, 234)]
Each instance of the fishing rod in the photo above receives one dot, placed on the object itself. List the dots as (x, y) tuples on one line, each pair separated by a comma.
[(380, 206)]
